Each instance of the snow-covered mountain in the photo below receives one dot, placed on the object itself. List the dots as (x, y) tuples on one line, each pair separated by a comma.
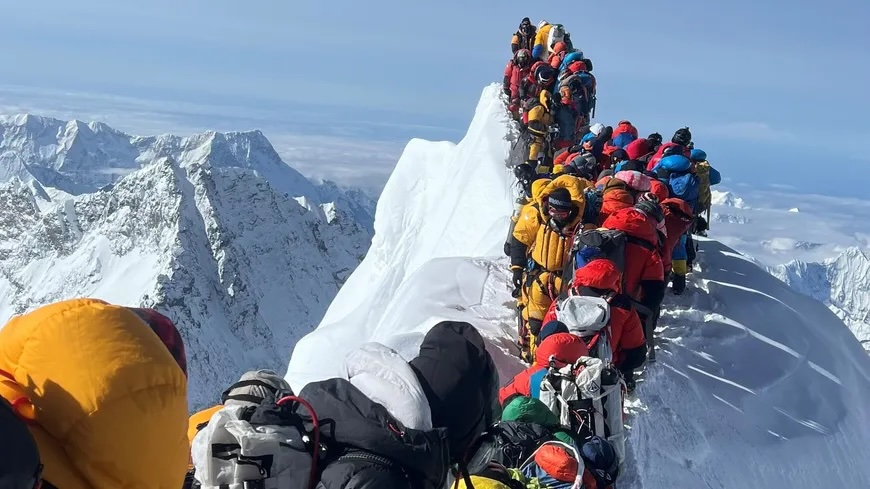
[(214, 230), (756, 385), (841, 282)]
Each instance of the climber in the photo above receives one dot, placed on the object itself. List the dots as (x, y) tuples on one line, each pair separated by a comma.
[(623, 134), (540, 49), (643, 149), (539, 247), (678, 221), (575, 97), (679, 145), (541, 77), (601, 278), (516, 70), (707, 177), (560, 50), (643, 272), (565, 347), (574, 56), (621, 191), (524, 37), (537, 117), (82, 372)]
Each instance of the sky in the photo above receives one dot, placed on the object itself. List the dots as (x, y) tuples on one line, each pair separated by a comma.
[(773, 91)]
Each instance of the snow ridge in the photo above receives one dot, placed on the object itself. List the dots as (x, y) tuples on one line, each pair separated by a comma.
[(840, 282)]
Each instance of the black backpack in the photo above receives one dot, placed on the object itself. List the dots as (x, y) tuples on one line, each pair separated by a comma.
[(509, 443)]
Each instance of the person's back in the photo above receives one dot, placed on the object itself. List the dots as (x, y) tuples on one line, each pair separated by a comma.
[(644, 276), (566, 348), (111, 413), (542, 36)]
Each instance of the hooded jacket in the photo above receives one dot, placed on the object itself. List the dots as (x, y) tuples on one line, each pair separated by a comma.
[(460, 381), (627, 338), (678, 220), (380, 451), (538, 237), (109, 400), (542, 36), (524, 409), (513, 78), (623, 134), (654, 160), (621, 191), (522, 40), (639, 149), (644, 274), (566, 347)]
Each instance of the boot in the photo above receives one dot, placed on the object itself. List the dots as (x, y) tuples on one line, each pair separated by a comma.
[(679, 284), (630, 383)]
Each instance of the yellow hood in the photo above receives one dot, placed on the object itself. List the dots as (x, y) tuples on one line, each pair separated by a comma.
[(110, 401)]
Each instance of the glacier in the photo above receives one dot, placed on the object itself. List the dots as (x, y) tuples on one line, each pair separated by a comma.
[(756, 386), (214, 230)]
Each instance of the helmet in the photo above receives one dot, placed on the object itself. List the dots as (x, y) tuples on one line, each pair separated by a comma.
[(559, 47), (682, 137), (648, 203), (596, 128), (619, 155), (542, 23), (698, 155), (600, 459), (544, 74), (654, 138), (522, 57)]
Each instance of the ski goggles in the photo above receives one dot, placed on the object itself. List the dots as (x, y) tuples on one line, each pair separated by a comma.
[(560, 213)]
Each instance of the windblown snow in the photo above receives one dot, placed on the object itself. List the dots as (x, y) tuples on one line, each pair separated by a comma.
[(214, 230), (756, 386)]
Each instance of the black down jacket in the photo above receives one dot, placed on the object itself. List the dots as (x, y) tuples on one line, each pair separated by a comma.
[(460, 381), (368, 448)]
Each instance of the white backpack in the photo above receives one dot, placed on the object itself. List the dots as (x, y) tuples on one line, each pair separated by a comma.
[(234, 453), (587, 397), (586, 317), (557, 34)]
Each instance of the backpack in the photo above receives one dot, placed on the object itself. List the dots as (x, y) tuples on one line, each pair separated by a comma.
[(588, 398), (557, 34), (702, 171), (685, 185), (528, 105), (509, 443), (265, 446), (579, 91), (588, 318)]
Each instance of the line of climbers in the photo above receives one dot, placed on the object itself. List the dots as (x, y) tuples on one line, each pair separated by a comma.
[(551, 88), (636, 205)]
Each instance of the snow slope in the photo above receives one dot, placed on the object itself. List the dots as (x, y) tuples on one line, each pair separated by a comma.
[(214, 230), (756, 387), (444, 207)]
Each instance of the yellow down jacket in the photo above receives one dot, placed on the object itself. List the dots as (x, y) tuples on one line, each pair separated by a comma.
[(109, 401), (547, 246)]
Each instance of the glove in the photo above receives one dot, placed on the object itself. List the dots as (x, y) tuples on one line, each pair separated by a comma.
[(517, 278)]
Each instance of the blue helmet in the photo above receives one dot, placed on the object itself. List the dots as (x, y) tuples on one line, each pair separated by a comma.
[(601, 460), (698, 155)]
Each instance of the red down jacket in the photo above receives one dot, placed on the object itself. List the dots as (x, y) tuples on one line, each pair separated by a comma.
[(678, 220), (564, 346), (626, 332), (644, 273), (513, 77)]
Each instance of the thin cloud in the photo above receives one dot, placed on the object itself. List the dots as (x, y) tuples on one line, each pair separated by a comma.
[(761, 132)]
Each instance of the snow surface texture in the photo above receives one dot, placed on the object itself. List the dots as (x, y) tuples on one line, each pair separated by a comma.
[(215, 231), (820, 251), (756, 387), (444, 208)]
